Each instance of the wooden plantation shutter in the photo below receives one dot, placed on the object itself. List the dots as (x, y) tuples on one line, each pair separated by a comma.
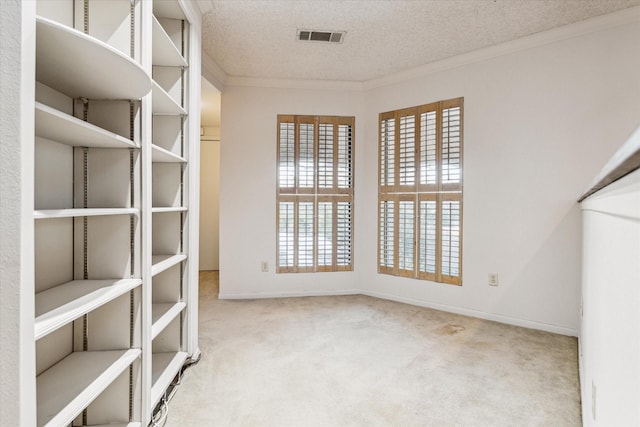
[(420, 192), (315, 193)]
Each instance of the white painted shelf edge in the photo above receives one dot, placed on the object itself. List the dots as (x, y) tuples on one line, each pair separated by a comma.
[(62, 128), (69, 386), (165, 52), (165, 366), (79, 212), (61, 63), (168, 9), (57, 306), (160, 263), (162, 155), (163, 314), (168, 209), (164, 104)]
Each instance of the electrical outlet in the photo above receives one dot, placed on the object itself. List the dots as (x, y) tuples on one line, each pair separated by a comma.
[(493, 279), (264, 266)]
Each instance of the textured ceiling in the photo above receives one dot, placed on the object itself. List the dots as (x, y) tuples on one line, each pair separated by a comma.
[(257, 38)]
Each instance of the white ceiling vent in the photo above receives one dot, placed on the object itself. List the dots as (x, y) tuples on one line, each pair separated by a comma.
[(321, 36)]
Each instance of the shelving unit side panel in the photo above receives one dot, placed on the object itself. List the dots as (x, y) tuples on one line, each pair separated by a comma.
[(166, 185), (53, 253), (166, 133), (112, 405), (60, 11), (108, 247), (53, 348), (166, 233), (166, 286), (112, 115), (109, 21), (53, 175)]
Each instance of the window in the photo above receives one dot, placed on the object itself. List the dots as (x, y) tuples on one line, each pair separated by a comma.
[(315, 193), (420, 192)]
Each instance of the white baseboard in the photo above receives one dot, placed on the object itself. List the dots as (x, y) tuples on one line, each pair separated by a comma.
[(262, 295), (561, 330)]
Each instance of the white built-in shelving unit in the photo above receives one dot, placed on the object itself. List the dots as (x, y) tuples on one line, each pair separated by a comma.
[(115, 207)]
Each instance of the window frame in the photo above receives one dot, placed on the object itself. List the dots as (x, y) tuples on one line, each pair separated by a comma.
[(394, 162), (340, 190)]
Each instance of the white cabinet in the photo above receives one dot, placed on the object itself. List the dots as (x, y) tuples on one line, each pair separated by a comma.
[(115, 207)]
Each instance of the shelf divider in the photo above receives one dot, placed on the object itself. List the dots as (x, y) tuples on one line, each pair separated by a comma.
[(164, 104), (165, 53), (78, 212), (162, 155), (163, 314), (160, 263)]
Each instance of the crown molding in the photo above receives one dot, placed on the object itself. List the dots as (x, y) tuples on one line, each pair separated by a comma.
[(212, 72), (599, 23)]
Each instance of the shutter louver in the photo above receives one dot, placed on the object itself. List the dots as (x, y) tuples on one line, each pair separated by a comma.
[(386, 238)]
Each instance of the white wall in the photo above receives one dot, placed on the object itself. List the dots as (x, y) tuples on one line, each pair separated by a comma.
[(539, 124), (248, 192), (17, 352), (209, 204), (610, 330)]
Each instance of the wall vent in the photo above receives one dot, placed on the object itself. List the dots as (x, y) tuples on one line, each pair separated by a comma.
[(321, 36)]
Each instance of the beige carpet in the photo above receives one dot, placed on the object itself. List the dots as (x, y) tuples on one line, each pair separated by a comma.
[(361, 361)]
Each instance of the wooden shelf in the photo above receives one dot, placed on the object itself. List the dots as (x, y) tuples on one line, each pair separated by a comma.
[(169, 209), (160, 263), (165, 367), (163, 314), (165, 53), (65, 129), (56, 307), (80, 65), (164, 104), (79, 212), (161, 155), (69, 386)]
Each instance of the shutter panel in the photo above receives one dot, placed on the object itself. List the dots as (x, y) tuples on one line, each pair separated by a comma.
[(286, 156), (407, 152), (325, 155), (325, 235), (306, 156), (305, 235), (406, 236), (387, 153), (427, 250), (451, 227), (345, 152), (428, 151), (344, 228), (386, 235), (451, 149), (286, 235)]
